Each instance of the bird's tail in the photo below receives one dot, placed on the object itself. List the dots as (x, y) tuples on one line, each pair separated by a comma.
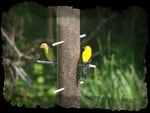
[(84, 66), (84, 70)]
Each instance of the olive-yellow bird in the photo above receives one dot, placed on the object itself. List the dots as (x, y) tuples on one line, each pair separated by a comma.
[(86, 57), (48, 52)]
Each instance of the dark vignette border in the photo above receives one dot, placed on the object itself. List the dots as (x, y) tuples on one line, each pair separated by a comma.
[(119, 5)]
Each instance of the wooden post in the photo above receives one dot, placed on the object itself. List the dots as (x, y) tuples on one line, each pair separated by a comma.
[(68, 21)]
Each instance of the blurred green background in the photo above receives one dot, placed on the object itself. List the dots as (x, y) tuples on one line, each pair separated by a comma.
[(30, 25), (118, 40)]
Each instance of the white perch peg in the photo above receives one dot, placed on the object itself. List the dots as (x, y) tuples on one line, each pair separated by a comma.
[(81, 82), (83, 35), (45, 62), (57, 43), (59, 90), (91, 66)]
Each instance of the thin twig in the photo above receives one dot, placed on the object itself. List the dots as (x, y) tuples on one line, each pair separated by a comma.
[(20, 72), (95, 54), (99, 26), (13, 46)]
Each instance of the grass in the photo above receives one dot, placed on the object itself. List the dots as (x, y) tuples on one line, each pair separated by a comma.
[(114, 85)]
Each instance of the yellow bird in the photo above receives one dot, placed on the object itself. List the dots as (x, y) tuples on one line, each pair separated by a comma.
[(86, 54), (48, 51), (86, 58)]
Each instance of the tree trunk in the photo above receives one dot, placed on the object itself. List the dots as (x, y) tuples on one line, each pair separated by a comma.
[(50, 35), (68, 21)]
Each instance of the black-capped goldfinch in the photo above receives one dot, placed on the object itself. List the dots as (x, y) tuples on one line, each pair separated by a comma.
[(86, 58)]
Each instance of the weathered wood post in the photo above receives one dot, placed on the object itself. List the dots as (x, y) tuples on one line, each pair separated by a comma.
[(68, 21)]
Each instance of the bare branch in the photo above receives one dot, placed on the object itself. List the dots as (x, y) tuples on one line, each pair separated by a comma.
[(17, 67), (11, 43), (96, 54), (13, 46), (7, 64), (19, 72), (99, 26)]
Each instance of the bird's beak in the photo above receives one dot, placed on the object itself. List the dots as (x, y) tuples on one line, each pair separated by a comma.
[(41, 46)]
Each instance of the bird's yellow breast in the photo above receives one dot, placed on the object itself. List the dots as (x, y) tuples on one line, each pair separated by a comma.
[(86, 54), (47, 51)]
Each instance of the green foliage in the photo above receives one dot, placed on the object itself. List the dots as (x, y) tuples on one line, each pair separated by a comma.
[(115, 84), (118, 81), (37, 68), (29, 22)]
